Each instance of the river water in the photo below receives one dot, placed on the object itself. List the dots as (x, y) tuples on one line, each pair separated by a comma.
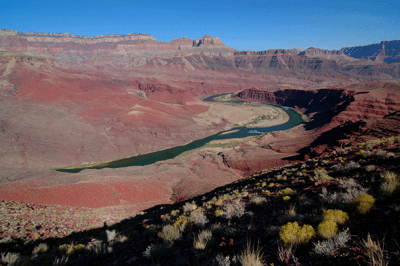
[(238, 132)]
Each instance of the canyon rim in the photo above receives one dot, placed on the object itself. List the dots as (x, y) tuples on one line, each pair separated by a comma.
[(69, 100)]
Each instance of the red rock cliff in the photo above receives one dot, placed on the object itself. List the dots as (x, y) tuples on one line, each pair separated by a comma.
[(208, 40)]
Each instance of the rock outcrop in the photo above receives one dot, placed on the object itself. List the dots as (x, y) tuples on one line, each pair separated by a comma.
[(67, 37), (334, 55), (338, 113), (385, 51), (207, 40)]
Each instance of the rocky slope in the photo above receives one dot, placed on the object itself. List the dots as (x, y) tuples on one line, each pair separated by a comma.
[(335, 113), (275, 217), (67, 99), (72, 48), (337, 56), (385, 51), (207, 40)]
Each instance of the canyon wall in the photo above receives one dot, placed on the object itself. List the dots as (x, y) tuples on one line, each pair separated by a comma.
[(385, 51)]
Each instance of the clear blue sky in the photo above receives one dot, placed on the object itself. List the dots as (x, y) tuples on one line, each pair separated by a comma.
[(243, 25)]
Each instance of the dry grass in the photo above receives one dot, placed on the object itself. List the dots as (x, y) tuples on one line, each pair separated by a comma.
[(11, 258), (41, 248), (251, 256), (212, 229), (170, 233), (285, 252), (375, 252), (390, 183), (200, 242)]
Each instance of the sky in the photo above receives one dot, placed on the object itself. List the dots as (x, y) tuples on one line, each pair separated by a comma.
[(243, 25)]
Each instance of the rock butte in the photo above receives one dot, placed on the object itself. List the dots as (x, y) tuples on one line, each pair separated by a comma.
[(68, 100)]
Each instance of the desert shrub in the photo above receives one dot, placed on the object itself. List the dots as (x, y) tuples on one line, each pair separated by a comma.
[(337, 216), (189, 206), (338, 168), (97, 248), (155, 251), (286, 198), (198, 217), (340, 150), (226, 261), (182, 223), (289, 215), (257, 201), (6, 240), (390, 183), (326, 247), (169, 233), (321, 175), (233, 210), (327, 229), (64, 247), (251, 256), (200, 242), (380, 154), (287, 192), (350, 189), (345, 168), (218, 203), (41, 248), (218, 213), (351, 166), (366, 154), (293, 234), (175, 213), (11, 258), (364, 203), (71, 248), (370, 168)]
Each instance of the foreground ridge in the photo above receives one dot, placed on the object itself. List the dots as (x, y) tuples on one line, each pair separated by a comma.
[(339, 207)]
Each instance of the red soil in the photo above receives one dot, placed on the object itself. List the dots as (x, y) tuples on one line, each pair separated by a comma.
[(92, 195)]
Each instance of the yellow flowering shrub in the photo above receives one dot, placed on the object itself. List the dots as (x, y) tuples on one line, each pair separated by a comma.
[(286, 198), (175, 212), (79, 247), (292, 233), (337, 216), (364, 203), (219, 203), (218, 213), (182, 222), (327, 229), (69, 249), (288, 191), (64, 247)]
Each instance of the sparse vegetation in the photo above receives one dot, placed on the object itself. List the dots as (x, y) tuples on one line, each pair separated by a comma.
[(216, 228), (251, 256), (202, 239), (364, 203), (293, 234), (337, 216), (375, 252), (390, 183), (327, 229)]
